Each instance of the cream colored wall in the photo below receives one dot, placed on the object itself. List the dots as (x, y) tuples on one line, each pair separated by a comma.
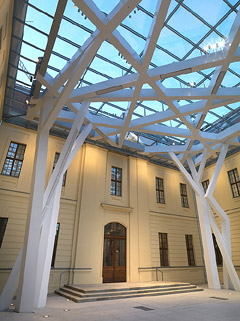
[(231, 205), (87, 206), (14, 197)]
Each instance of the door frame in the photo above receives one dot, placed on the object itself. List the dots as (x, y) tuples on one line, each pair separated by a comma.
[(126, 247)]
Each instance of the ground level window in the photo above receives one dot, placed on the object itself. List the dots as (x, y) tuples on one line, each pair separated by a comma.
[(14, 159), (3, 225), (163, 249), (218, 253), (55, 245), (190, 252)]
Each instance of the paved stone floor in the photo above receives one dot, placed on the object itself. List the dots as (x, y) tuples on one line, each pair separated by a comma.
[(197, 306)]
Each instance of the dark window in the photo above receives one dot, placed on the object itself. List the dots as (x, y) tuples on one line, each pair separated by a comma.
[(234, 182), (54, 165), (190, 252), (183, 192), (160, 190), (205, 185), (163, 249), (218, 254), (14, 160), (3, 225), (55, 245), (116, 181)]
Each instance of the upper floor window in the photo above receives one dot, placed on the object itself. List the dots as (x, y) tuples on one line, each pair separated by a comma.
[(163, 249), (3, 225), (54, 165), (14, 160), (183, 193), (234, 182), (160, 190), (205, 185), (190, 252), (116, 181)]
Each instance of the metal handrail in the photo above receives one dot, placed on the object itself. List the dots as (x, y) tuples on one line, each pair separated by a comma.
[(161, 268), (69, 270)]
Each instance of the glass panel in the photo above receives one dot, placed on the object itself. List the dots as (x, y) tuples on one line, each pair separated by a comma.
[(120, 253), (108, 253), (115, 229)]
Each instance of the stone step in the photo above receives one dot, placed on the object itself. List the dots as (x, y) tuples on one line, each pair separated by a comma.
[(149, 287), (123, 292), (77, 297)]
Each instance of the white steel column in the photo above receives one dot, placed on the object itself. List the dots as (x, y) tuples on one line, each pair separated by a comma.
[(209, 252), (26, 288)]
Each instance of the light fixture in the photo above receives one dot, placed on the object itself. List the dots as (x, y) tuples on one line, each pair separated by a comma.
[(46, 316), (27, 102), (66, 310)]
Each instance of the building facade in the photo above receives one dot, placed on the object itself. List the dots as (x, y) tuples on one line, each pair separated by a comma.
[(120, 218)]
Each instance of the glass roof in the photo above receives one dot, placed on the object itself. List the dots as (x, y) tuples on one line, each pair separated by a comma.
[(191, 29)]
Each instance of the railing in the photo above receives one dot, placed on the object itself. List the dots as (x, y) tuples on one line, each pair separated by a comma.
[(162, 269), (69, 270), (65, 270)]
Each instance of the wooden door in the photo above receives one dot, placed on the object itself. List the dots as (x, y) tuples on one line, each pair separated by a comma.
[(114, 253)]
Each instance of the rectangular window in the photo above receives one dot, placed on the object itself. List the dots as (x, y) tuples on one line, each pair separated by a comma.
[(116, 181), (163, 249), (3, 225), (234, 182), (14, 160), (54, 165), (205, 185), (218, 254), (183, 192), (55, 245), (190, 252), (160, 190)]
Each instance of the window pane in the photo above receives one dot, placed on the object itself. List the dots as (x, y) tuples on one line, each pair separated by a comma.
[(3, 225), (116, 181), (108, 253), (14, 159)]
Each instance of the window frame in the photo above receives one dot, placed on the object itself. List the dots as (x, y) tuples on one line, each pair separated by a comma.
[(3, 228), (55, 164), (190, 249), (54, 253), (183, 195), (205, 185), (14, 159), (159, 199), (236, 182), (163, 249), (116, 181), (218, 254)]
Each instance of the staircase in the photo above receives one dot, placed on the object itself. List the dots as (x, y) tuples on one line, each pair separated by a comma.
[(80, 294)]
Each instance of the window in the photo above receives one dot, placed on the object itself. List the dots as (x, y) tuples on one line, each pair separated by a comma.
[(14, 160), (160, 190), (55, 245), (163, 249), (234, 182), (183, 192), (3, 225), (54, 165), (205, 185), (190, 253), (116, 181), (218, 254)]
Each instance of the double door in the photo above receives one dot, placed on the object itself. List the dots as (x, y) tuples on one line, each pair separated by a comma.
[(114, 259)]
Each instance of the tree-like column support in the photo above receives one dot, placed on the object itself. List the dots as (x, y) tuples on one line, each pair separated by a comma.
[(208, 223), (27, 279)]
